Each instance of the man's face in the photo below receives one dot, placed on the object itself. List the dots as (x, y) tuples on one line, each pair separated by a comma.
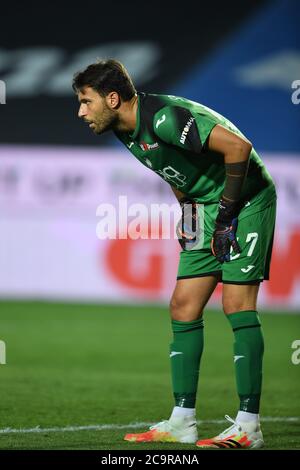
[(95, 111)]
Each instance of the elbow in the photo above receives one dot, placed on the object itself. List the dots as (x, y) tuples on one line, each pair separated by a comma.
[(246, 146), (241, 150), (249, 147)]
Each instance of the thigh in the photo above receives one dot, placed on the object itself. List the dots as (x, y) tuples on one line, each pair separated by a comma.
[(199, 261), (239, 297), (190, 297), (255, 237)]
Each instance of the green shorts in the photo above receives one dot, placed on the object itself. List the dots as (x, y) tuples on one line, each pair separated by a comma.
[(255, 234)]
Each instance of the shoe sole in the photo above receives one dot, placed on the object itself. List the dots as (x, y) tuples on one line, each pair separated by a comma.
[(255, 445), (164, 439)]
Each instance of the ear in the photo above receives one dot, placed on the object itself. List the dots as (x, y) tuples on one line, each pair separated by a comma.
[(113, 100)]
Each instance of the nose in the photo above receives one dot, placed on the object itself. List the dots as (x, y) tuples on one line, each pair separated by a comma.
[(82, 111)]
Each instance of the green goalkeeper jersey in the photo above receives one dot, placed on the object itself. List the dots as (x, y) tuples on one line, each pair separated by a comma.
[(171, 138)]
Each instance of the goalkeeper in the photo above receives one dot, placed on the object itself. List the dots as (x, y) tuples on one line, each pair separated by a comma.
[(228, 202)]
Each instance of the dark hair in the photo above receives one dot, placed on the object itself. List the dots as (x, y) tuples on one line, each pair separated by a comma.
[(105, 76)]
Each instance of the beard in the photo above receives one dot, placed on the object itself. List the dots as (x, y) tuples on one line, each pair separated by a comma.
[(105, 122)]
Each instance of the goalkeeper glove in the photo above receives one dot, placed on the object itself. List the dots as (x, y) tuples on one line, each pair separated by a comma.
[(187, 227), (225, 229)]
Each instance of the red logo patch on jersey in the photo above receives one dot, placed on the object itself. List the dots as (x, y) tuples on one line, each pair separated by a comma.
[(144, 146)]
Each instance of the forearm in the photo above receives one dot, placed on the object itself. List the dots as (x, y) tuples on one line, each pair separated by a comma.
[(236, 151), (236, 168)]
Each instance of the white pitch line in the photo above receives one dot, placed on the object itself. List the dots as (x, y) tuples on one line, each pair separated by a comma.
[(103, 427)]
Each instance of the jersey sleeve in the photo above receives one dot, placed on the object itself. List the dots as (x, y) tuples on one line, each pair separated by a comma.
[(182, 127)]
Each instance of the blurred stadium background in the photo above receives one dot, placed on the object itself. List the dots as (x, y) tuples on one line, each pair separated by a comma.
[(80, 316)]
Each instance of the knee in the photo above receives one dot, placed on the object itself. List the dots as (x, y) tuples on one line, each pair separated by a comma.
[(183, 309), (232, 305)]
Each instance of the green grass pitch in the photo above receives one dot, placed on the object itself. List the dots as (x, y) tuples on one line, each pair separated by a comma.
[(71, 365)]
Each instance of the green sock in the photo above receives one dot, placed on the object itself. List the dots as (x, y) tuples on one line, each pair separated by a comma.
[(248, 357), (185, 354)]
